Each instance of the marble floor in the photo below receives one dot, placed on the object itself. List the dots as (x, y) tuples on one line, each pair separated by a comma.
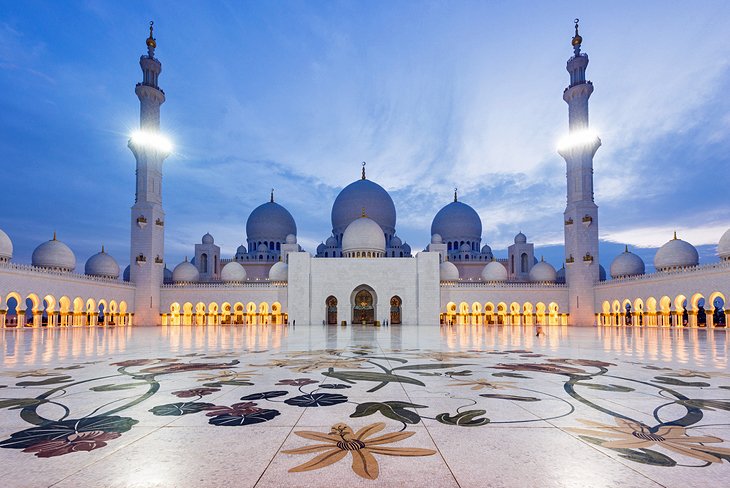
[(407, 406)]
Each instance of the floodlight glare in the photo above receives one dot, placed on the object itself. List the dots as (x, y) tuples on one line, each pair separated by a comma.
[(151, 139), (576, 139)]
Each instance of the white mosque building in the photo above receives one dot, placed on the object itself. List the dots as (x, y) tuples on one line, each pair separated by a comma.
[(363, 272)]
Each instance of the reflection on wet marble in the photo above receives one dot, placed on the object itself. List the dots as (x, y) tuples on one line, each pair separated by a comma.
[(468, 406)]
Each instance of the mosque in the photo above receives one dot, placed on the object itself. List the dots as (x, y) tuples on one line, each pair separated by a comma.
[(364, 272)]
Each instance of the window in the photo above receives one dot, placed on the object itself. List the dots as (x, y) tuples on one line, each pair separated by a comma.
[(523, 263)]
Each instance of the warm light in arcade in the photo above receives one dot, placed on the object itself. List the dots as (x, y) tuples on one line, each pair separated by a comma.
[(577, 138), (151, 139)]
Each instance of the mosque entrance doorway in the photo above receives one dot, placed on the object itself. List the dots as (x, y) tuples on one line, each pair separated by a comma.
[(331, 304), (363, 306), (395, 309)]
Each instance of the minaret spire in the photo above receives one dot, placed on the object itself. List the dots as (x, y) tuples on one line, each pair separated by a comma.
[(363, 170), (150, 150), (581, 212), (455, 197), (272, 195)]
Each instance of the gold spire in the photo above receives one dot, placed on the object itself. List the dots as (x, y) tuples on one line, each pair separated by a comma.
[(54, 235), (363, 212), (272, 195), (363, 171), (626, 248), (455, 190), (675, 235), (102, 248), (577, 39), (542, 259), (151, 40)]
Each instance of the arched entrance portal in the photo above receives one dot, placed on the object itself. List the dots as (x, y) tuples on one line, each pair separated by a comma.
[(395, 310), (363, 305), (331, 304)]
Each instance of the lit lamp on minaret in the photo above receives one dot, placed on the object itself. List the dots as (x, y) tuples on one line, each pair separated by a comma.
[(581, 212), (150, 149)]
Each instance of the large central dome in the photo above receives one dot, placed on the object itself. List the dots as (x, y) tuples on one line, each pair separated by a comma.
[(457, 221), (361, 194), (270, 221)]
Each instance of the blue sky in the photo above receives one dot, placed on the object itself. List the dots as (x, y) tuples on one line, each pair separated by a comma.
[(433, 95)]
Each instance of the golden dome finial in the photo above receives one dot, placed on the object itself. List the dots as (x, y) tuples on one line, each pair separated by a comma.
[(363, 170), (102, 248), (54, 235), (626, 248), (455, 190), (272, 194), (675, 235), (363, 213), (151, 43), (577, 39)]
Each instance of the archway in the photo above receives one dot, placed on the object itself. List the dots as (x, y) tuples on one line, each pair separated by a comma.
[(331, 304), (363, 305), (395, 310)]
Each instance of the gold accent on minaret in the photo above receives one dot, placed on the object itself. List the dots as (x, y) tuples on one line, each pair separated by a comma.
[(455, 190), (363, 170), (151, 42), (577, 39)]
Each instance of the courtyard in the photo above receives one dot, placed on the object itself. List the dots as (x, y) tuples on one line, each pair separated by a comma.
[(274, 405)]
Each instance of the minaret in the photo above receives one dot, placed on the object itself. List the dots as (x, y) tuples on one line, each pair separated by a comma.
[(581, 212), (150, 149)]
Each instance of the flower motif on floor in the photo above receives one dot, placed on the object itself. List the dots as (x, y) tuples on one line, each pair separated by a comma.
[(82, 441), (341, 440), (228, 375), (481, 383), (298, 382), (634, 435), (195, 392), (243, 408)]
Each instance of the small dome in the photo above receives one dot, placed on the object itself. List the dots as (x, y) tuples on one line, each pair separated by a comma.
[(560, 275), (233, 273), (457, 220), (486, 249), (6, 246), (291, 239), (448, 271), (676, 254), (166, 275), (270, 221), (361, 194), (208, 239), (279, 272), (494, 271), (363, 234), (331, 241), (436, 239), (321, 248), (406, 248), (125, 275), (627, 264), (396, 242), (102, 264), (543, 272), (465, 248), (54, 254), (520, 238), (262, 248), (723, 247), (185, 272)]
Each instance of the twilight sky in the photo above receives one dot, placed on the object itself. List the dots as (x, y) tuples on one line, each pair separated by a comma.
[(433, 95)]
